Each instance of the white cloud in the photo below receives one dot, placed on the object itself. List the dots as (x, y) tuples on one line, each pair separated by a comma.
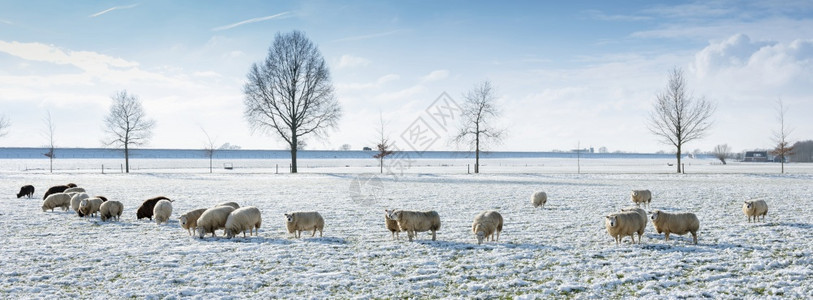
[(249, 21), (349, 61), (367, 36), (436, 75), (112, 9)]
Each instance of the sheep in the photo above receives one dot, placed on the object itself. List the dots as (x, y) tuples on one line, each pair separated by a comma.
[(486, 224), (71, 185), (189, 220), (146, 208), (242, 219), (641, 196), (26, 190), (391, 224), (539, 199), (296, 222), (162, 211), (678, 223), (54, 189), (213, 219), (74, 190), (56, 200), (104, 199), (75, 200), (641, 214), (625, 223), (416, 221), (90, 206), (755, 208), (110, 210), (232, 204)]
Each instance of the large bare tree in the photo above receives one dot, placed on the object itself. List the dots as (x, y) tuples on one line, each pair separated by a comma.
[(677, 116), (290, 94), (127, 125), (781, 136), (49, 134), (477, 115), (4, 125)]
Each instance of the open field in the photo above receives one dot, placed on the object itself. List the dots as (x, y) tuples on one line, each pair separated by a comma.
[(561, 251)]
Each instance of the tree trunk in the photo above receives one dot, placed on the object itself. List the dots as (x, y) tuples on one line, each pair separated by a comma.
[(381, 164), (678, 159), (210, 163), (293, 151), (477, 153), (126, 158)]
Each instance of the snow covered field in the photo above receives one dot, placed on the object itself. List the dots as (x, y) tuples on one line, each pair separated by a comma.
[(562, 251)]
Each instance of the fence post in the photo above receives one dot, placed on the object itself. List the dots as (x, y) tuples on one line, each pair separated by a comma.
[(277, 171), (468, 169), (683, 168), (102, 168)]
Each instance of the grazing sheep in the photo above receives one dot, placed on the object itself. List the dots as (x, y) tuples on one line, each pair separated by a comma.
[(213, 219), (189, 220), (232, 204), (625, 223), (539, 199), (242, 219), (57, 200), (75, 200), (162, 211), (296, 222), (417, 221), (486, 224), (101, 197), (110, 210), (146, 208), (90, 206), (74, 190), (26, 190), (641, 196), (391, 224), (755, 208), (71, 185), (679, 223), (54, 189)]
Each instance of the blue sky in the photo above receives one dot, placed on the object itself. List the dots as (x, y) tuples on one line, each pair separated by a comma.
[(581, 72)]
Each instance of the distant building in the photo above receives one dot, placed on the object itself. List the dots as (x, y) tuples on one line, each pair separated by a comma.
[(756, 156), (367, 149)]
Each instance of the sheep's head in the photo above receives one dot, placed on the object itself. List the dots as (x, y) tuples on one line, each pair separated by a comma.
[(84, 203), (634, 193), (388, 213), (229, 233), (201, 232), (290, 217), (396, 215), (655, 215), (612, 220), (44, 208), (749, 204), (480, 236), (183, 220)]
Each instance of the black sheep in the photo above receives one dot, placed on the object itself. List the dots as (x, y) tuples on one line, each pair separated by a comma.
[(145, 210), (26, 190), (55, 189)]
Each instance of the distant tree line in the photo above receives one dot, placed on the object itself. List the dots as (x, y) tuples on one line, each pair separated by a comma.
[(802, 151)]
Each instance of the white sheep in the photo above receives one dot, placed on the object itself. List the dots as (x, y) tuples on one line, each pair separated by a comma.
[(162, 211), (755, 208), (678, 223), (296, 222), (90, 206), (539, 199), (242, 219), (625, 223), (189, 220), (56, 200), (641, 214), (417, 221), (111, 210), (74, 190), (391, 224), (213, 219), (76, 199), (230, 203), (486, 224), (641, 196)]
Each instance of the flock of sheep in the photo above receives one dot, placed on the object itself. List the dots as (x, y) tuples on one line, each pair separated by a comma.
[(487, 225)]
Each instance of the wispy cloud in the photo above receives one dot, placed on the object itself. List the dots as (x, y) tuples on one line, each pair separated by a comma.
[(112, 9), (5, 22), (368, 36), (349, 61), (249, 21), (600, 15)]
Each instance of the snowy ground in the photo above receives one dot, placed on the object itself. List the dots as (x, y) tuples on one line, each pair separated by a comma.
[(562, 251)]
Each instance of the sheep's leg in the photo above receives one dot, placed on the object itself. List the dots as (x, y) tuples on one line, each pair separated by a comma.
[(433, 235), (667, 236), (314, 232), (320, 232), (694, 237)]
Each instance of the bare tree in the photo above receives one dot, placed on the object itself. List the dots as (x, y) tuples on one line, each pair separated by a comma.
[(802, 151), (345, 147), (781, 137), (49, 134), (383, 146), (477, 114), (4, 125), (678, 117), (127, 124), (209, 148), (290, 93), (722, 152)]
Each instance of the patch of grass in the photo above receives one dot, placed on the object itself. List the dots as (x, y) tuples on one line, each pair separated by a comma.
[(760, 291)]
